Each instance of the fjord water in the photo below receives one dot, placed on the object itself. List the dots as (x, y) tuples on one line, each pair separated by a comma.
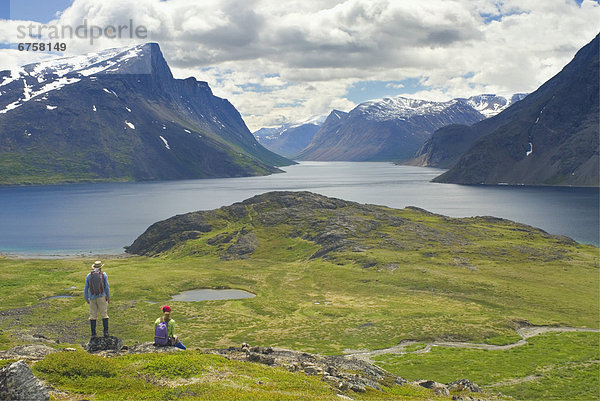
[(103, 218)]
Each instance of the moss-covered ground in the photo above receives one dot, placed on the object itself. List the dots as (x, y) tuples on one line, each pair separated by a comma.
[(193, 376), (461, 280)]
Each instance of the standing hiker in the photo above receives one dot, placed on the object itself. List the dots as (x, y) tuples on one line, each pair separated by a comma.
[(164, 330), (97, 294)]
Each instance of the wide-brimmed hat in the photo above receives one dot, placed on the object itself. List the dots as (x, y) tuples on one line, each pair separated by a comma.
[(97, 264)]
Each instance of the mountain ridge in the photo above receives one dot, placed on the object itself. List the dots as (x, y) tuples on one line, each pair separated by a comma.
[(393, 128), (549, 138), (131, 121)]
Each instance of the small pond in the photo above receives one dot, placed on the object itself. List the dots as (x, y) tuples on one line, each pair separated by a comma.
[(211, 295)]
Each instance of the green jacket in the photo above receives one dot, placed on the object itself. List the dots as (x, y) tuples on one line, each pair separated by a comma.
[(171, 325)]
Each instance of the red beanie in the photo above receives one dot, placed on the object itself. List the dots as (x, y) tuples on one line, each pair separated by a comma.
[(166, 308)]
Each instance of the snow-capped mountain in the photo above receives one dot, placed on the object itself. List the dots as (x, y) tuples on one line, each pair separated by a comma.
[(385, 129), (289, 139), (119, 115), (401, 108), (37, 79)]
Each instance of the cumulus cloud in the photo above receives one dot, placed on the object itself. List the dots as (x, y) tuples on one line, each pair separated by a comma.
[(280, 61)]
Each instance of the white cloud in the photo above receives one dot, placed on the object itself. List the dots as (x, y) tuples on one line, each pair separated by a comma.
[(303, 55)]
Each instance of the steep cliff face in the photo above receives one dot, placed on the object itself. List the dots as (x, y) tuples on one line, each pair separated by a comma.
[(549, 138), (449, 143), (119, 115)]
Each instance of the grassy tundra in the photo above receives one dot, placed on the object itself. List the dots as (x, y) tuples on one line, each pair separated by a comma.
[(330, 277)]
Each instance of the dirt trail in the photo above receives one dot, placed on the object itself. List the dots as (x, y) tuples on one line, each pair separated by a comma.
[(525, 333)]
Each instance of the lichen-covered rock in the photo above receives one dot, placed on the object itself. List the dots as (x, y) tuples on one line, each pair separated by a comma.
[(149, 347), (463, 385), (437, 388), (28, 352), (108, 343), (342, 372), (245, 245), (17, 383)]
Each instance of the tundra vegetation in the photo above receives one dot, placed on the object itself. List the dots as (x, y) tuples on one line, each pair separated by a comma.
[(330, 277)]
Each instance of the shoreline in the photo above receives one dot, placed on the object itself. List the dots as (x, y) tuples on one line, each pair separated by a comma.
[(70, 256)]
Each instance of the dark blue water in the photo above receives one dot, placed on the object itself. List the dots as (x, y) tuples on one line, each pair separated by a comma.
[(103, 218)]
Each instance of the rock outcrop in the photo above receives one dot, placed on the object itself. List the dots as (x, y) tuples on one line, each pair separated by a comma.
[(149, 347), (17, 383), (340, 229), (109, 343), (342, 372), (31, 352)]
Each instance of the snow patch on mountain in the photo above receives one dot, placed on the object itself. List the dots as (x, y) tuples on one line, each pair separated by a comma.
[(489, 104), (53, 74), (10, 107), (530, 151), (402, 108), (272, 133), (391, 108), (109, 92), (165, 142), (86, 64), (29, 93)]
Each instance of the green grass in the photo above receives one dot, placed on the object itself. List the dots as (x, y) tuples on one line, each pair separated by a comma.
[(454, 279), (5, 362), (554, 366), (193, 376)]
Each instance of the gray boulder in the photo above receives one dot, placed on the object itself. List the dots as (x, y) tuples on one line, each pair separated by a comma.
[(149, 347), (109, 343), (437, 388), (30, 352), (463, 385), (17, 383)]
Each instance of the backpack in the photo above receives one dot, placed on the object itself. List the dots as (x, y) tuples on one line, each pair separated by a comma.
[(161, 334), (96, 282)]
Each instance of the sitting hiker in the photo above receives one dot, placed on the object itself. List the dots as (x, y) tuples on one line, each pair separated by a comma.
[(164, 328)]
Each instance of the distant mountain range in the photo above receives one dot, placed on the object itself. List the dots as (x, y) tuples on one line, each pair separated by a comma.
[(394, 128), (549, 138), (289, 139), (119, 115)]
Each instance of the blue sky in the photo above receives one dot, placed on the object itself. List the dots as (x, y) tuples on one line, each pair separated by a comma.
[(34, 10)]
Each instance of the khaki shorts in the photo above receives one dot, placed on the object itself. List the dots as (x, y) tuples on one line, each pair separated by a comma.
[(98, 305)]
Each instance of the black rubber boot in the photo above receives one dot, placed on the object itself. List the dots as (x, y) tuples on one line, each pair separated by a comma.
[(93, 327), (105, 326)]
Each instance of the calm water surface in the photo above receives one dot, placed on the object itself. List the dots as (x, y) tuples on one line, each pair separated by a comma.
[(103, 218), (211, 295)]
